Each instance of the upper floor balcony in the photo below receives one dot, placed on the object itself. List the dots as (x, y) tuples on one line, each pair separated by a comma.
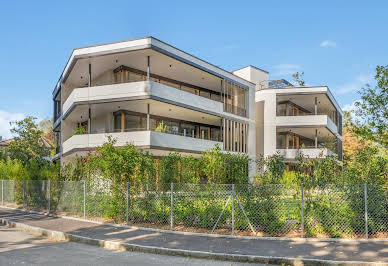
[(308, 111), (133, 84)]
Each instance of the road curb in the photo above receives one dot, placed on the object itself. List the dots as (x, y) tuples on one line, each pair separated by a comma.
[(114, 245)]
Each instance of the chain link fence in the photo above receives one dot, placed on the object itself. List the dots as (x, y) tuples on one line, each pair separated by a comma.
[(325, 211)]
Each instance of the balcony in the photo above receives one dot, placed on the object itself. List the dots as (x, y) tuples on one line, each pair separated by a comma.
[(138, 90), (141, 139)]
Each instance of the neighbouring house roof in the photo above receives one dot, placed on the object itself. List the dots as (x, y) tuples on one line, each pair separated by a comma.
[(46, 142), (5, 143)]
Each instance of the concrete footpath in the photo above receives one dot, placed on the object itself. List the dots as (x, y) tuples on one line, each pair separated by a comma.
[(274, 251)]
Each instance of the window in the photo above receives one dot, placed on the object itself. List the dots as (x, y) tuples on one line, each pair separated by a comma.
[(204, 132), (281, 109), (216, 97), (281, 141), (205, 94), (117, 122), (187, 130), (215, 134)]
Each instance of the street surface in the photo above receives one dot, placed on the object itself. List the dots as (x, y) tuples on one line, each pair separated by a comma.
[(19, 248)]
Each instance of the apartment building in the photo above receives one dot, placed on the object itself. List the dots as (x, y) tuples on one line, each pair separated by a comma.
[(162, 99), (294, 121), (154, 96)]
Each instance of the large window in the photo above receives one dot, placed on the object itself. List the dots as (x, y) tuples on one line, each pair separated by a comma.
[(288, 140), (124, 74), (125, 121), (235, 99), (290, 109)]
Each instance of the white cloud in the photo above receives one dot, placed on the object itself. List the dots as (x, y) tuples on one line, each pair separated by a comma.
[(286, 69), (5, 118), (328, 43), (349, 107), (355, 85)]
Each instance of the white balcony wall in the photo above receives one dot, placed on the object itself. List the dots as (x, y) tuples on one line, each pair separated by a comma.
[(310, 153), (107, 93), (139, 89), (140, 138), (182, 143), (185, 98), (307, 121)]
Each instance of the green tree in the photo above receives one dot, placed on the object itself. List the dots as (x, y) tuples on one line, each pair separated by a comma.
[(299, 78), (371, 110), (28, 145)]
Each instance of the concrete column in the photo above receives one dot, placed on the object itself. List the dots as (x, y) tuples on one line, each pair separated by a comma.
[(316, 105), (316, 138), (89, 121), (148, 116), (89, 111), (90, 76), (148, 68)]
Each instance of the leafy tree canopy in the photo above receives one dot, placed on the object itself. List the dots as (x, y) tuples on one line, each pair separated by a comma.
[(372, 112), (28, 146)]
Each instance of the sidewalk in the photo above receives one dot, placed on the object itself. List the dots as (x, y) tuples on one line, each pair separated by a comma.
[(258, 250)]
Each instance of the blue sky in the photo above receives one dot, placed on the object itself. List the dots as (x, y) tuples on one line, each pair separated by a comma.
[(336, 43)]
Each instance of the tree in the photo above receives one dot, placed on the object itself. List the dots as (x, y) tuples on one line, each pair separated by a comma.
[(299, 78), (28, 146), (372, 112)]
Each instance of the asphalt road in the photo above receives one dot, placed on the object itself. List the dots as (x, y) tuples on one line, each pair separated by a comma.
[(19, 248)]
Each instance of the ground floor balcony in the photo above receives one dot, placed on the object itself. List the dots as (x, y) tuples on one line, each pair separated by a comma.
[(309, 142), (140, 139), (309, 152)]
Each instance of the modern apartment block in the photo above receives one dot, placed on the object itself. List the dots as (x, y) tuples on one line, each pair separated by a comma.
[(293, 120), (162, 99)]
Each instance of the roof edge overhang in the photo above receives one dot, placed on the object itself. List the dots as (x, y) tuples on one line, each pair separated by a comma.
[(305, 90), (147, 43)]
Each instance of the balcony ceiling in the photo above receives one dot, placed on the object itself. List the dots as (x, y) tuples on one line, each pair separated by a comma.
[(161, 64), (308, 101), (80, 112)]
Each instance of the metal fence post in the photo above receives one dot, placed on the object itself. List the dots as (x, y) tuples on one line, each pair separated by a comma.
[(84, 199), (24, 193), (302, 210), (49, 196), (232, 209), (366, 209), (127, 209), (172, 208)]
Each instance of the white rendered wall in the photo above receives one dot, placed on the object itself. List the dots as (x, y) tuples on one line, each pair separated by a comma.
[(268, 102), (255, 75)]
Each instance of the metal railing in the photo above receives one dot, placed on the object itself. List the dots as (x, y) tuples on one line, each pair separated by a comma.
[(330, 210)]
